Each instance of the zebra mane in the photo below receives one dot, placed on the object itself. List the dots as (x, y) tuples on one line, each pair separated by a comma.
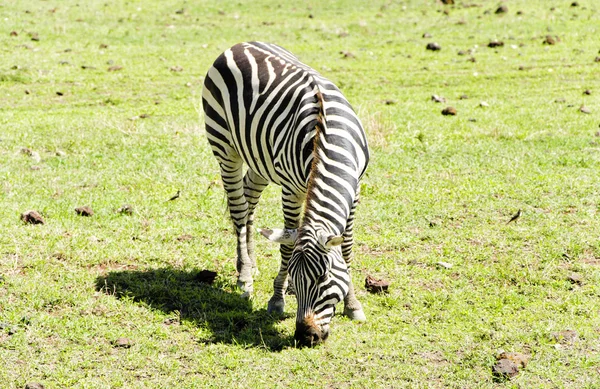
[(319, 129)]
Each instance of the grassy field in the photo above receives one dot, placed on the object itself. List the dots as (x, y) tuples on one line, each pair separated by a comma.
[(100, 106)]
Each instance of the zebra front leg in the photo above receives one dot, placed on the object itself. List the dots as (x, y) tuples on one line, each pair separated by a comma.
[(254, 185), (352, 307), (231, 173), (292, 212)]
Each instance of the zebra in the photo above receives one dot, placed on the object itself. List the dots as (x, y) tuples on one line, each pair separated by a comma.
[(292, 127)]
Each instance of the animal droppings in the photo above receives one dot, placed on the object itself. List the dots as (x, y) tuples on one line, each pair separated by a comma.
[(433, 46), (84, 211), (374, 285), (32, 217), (449, 111)]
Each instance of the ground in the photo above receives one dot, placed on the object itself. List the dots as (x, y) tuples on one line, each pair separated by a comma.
[(100, 106)]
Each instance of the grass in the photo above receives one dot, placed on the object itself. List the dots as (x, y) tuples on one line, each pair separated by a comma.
[(439, 189)]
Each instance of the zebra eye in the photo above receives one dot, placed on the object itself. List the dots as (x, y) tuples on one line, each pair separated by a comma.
[(323, 278)]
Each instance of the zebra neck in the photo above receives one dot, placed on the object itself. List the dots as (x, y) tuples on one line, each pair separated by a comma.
[(332, 185)]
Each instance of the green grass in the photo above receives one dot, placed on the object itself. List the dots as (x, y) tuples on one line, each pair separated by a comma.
[(74, 285)]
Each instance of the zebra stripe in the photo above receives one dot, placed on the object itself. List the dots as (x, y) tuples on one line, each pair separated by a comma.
[(293, 127)]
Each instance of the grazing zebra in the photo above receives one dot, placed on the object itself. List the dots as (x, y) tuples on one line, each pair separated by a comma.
[(291, 126)]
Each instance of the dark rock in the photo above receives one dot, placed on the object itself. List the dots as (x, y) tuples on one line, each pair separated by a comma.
[(549, 40), (125, 209), (518, 359), (575, 278), (449, 111), (505, 368), (84, 211), (32, 217), (123, 343), (374, 285), (14, 33), (433, 46), (502, 9), (496, 44), (587, 92)]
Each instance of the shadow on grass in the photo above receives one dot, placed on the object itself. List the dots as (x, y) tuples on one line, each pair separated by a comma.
[(228, 317)]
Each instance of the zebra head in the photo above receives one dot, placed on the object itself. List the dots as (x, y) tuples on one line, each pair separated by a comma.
[(319, 276)]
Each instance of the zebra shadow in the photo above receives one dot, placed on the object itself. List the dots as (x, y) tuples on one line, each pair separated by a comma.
[(217, 308)]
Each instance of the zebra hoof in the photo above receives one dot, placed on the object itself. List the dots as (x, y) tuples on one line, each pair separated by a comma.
[(356, 315), (247, 289), (276, 307)]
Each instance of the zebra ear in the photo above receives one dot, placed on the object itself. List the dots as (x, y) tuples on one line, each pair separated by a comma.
[(328, 241), (280, 236)]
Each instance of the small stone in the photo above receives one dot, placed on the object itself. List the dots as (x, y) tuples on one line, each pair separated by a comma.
[(496, 44), (125, 209), (34, 36), (587, 92), (176, 69), (438, 99), (445, 265), (115, 68), (463, 97), (185, 238), (549, 40), (60, 93), (88, 67), (473, 120), (389, 102), (103, 46), (574, 4), (560, 100), (347, 54), (462, 52), (14, 33), (502, 9), (584, 109), (484, 104), (374, 285), (597, 59), (518, 359), (34, 385), (505, 368), (84, 211), (171, 321), (449, 111), (575, 278), (123, 343), (32, 217), (144, 116), (180, 11), (427, 35), (433, 46), (566, 336)]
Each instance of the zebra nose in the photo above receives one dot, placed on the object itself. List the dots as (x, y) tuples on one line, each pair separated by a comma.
[(307, 335)]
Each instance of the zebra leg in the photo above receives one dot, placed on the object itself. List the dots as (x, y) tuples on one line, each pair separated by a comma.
[(292, 213), (253, 188), (231, 173), (352, 307)]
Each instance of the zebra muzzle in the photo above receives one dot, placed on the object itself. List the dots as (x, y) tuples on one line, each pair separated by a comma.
[(309, 334)]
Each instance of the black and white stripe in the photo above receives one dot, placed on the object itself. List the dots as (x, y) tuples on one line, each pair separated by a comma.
[(291, 126)]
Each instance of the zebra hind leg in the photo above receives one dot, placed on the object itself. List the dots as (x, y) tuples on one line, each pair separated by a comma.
[(254, 185), (231, 173)]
